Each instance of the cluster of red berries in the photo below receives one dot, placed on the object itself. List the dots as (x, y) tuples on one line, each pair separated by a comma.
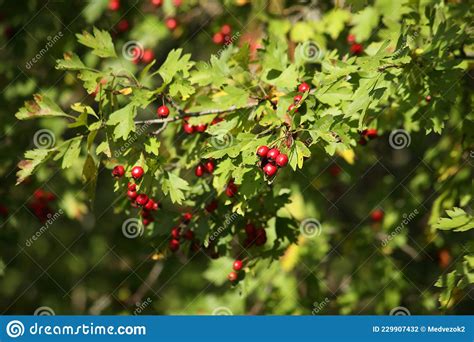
[(377, 215), (236, 266), (223, 37), (231, 189), (257, 236), (302, 88), (163, 111), (366, 135), (355, 48), (177, 235), (206, 166), (142, 200), (199, 128), (40, 204), (271, 159)]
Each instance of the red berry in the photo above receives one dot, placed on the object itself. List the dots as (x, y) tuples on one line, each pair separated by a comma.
[(273, 153), (114, 5), (250, 229), (377, 215), (201, 127), (218, 38), (232, 276), (297, 98), (189, 129), (157, 3), (123, 25), (199, 170), (171, 23), (428, 98), (270, 169), (226, 29), (174, 245), (209, 165), (132, 186), (351, 39), (177, 3), (163, 111), (231, 189), (118, 171), (281, 160), (142, 199), (227, 40), (303, 87), (145, 213), (187, 217), (292, 107), (149, 205), (146, 221), (137, 172), (176, 233), (237, 266), (357, 49), (132, 194), (156, 205), (262, 151), (189, 235), (362, 141), (371, 133), (212, 206), (148, 56), (261, 237)]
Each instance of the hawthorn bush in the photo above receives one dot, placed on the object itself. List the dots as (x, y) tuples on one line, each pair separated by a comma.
[(236, 157)]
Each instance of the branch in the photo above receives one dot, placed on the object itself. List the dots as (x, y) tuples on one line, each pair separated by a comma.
[(146, 285), (184, 114), (383, 68)]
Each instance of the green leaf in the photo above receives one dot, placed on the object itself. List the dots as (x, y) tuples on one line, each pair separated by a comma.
[(122, 119), (69, 151), (40, 106), (94, 10), (71, 61), (89, 176), (104, 148), (364, 23), (152, 146), (458, 221), (33, 159), (174, 186), (175, 63), (233, 97), (182, 87), (100, 42)]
